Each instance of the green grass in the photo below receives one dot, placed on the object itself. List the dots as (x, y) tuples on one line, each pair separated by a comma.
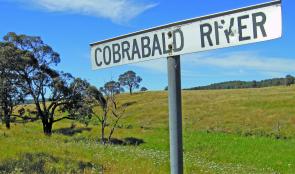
[(225, 131)]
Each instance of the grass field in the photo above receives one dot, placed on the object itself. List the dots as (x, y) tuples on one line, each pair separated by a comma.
[(225, 131)]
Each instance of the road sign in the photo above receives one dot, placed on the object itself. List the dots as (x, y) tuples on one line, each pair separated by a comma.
[(237, 27)]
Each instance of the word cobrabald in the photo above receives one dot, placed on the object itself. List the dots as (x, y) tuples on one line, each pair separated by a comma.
[(139, 48)]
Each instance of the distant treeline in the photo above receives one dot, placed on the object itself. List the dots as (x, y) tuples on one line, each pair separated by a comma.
[(287, 81)]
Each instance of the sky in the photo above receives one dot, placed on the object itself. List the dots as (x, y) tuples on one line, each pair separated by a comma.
[(69, 26)]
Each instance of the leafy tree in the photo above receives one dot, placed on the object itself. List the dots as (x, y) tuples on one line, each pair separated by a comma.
[(77, 106), (254, 84), (130, 80), (143, 89), (10, 92), (111, 88), (289, 80), (50, 90)]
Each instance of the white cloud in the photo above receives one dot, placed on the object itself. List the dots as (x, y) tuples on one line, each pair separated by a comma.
[(231, 64), (116, 10), (246, 60)]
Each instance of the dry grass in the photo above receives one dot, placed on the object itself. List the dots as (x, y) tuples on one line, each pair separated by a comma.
[(225, 131)]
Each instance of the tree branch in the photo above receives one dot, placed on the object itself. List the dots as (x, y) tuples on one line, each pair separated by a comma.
[(66, 117)]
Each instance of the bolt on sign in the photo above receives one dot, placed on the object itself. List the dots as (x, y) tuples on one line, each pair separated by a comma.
[(237, 27)]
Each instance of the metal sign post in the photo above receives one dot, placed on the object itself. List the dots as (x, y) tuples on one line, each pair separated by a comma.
[(175, 114)]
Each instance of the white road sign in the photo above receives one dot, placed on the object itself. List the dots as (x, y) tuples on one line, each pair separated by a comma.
[(237, 27)]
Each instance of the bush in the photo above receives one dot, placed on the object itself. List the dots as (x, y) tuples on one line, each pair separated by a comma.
[(44, 163)]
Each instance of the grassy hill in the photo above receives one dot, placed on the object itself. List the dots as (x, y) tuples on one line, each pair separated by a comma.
[(288, 80), (225, 131)]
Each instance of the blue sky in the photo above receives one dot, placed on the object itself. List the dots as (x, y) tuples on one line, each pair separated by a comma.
[(70, 25)]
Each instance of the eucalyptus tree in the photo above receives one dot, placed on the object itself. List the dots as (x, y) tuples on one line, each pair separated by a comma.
[(10, 92), (50, 89), (289, 80), (143, 89), (130, 80)]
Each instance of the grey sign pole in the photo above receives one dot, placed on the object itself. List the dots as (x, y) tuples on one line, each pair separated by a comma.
[(175, 115)]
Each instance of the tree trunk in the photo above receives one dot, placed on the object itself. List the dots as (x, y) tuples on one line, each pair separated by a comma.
[(113, 129), (130, 90), (102, 140), (111, 133), (47, 127), (7, 119), (7, 123)]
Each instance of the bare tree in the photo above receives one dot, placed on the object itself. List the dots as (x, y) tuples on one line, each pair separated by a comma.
[(112, 111)]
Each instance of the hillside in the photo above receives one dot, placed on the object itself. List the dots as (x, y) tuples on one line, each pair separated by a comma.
[(225, 131), (288, 80)]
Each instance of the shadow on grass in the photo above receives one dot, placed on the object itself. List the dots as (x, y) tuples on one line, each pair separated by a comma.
[(70, 131), (129, 141), (25, 120), (45, 163), (129, 103)]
